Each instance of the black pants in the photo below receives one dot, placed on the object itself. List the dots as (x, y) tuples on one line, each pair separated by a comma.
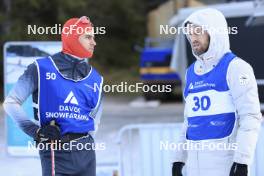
[(73, 162)]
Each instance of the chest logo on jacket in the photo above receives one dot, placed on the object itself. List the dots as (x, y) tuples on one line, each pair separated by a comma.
[(201, 84), (71, 99), (70, 109)]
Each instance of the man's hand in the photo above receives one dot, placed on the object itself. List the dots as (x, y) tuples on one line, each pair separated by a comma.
[(48, 133), (239, 170), (177, 168)]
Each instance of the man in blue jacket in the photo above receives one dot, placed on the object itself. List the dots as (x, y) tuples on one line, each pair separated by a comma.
[(66, 90)]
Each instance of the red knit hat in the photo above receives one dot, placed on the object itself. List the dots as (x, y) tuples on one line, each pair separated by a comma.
[(71, 32)]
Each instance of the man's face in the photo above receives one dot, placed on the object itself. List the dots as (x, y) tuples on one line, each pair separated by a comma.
[(87, 41), (199, 38)]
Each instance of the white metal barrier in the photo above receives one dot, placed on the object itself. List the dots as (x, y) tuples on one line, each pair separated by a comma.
[(141, 155)]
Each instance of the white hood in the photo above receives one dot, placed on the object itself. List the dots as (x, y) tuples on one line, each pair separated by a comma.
[(215, 24)]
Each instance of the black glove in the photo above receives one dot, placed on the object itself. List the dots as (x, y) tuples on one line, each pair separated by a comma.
[(177, 168), (239, 170), (48, 133)]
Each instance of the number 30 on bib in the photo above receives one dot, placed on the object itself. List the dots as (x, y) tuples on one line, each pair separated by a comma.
[(202, 103)]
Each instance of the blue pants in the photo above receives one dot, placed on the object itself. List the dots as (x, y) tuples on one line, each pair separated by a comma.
[(70, 162)]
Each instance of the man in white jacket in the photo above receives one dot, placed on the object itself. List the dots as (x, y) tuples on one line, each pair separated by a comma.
[(222, 111)]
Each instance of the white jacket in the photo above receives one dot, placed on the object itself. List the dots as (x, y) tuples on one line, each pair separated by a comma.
[(241, 82)]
